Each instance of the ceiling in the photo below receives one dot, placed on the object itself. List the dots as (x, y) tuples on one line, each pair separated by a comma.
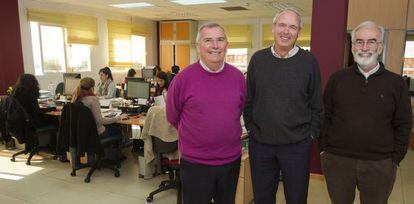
[(166, 10)]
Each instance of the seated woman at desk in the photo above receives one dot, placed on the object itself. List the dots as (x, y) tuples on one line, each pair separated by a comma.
[(85, 93), (131, 73), (163, 83), (106, 88), (155, 70), (26, 91)]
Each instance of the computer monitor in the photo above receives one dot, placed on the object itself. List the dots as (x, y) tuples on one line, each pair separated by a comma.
[(137, 88), (71, 81), (147, 73)]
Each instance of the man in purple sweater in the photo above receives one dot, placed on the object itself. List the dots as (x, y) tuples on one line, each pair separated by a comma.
[(205, 102)]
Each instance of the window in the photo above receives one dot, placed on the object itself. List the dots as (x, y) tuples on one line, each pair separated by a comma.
[(48, 48), (50, 54), (238, 58), (138, 51), (53, 48), (79, 56), (126, 44), (37, 56), (409, 59)]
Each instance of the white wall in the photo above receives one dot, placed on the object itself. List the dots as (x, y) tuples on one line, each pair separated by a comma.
[(99, 53)]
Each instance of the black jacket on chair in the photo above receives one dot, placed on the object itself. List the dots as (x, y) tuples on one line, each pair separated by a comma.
[(15, 121), (77, 129)]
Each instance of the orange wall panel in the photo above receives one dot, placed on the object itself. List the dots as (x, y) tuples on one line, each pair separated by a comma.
[(166, 30), (182, 30), (182, 53), (166, 54)]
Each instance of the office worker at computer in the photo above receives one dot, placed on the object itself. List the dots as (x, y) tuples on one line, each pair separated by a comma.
[(163, 82), (174, 71), (131, 73), (26, 91), (106, 88), (85, 93), (283, 112), (205, 102), (155, 70)]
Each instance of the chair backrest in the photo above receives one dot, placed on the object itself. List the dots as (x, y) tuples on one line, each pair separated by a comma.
[(15, 120), (117, 92), (161, 147), (60, 88), (77, 129)]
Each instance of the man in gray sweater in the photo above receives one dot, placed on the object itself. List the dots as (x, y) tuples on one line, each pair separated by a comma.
[(283, 112)]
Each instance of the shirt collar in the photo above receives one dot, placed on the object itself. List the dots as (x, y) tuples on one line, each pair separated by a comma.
[(372, 71), (291, 53), (209, 70)]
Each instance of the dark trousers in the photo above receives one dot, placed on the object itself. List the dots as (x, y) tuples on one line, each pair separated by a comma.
[(109, 132), (267, 161), (373, 178), (202, 183)]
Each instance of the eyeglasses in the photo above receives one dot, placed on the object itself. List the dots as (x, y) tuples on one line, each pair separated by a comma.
[(370, 43)]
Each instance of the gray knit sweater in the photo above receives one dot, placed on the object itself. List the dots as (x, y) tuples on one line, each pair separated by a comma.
[(284, 98), (92, 102)]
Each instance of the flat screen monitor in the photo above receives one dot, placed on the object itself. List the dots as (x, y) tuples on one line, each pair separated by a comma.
[(71, 81), (147, 73), (137, 88)]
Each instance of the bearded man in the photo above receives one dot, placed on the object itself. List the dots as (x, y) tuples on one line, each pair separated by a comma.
[(367, 123)]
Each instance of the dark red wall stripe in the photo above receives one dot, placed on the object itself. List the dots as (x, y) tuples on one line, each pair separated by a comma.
[(328, 36), (11, 56)]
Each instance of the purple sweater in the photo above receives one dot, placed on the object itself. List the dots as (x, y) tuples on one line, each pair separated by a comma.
[(206, 108)]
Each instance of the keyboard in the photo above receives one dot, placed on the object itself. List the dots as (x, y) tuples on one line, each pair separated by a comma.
[(111, 115)]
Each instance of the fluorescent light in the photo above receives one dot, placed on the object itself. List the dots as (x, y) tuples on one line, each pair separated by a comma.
[(195, 2), (132, 5)]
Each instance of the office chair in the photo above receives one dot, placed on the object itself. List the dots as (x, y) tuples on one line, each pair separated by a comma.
[(117, 92), (60, 88), (98, 161), (32, 147), (78, 135), (160, 147), (16, 123)]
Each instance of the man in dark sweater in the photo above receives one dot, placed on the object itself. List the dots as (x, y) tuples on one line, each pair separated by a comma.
[(367, 123), (283, 112)]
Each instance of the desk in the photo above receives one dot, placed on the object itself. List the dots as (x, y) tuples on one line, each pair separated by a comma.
[(244, 192), (135, 120)]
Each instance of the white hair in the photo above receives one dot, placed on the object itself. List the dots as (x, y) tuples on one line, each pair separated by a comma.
[(366, 24), (209, 25), (291, 9)]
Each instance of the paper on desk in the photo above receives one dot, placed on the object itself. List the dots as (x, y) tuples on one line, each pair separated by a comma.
[(159, 101), (136, 132), (105, 102)]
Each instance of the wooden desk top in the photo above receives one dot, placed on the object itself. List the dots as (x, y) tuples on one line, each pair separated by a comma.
[(133, 120)]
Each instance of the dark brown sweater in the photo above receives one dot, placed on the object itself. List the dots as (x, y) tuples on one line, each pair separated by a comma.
[(366, 118)]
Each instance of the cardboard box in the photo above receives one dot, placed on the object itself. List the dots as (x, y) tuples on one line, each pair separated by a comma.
[(83, 160)]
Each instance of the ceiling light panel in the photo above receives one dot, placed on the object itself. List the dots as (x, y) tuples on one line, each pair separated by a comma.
[(132, 5)]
